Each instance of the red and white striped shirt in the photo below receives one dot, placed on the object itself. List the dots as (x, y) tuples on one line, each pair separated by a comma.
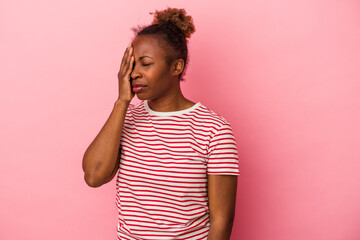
[(162, 180)]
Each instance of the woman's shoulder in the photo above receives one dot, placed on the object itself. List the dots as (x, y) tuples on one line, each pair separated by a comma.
[(211, 114), (136, 107)]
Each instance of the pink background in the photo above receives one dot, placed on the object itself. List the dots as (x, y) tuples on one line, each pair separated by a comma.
[(285, 74)]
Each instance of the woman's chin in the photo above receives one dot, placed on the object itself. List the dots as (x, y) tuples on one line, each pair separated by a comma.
[(141, 96)]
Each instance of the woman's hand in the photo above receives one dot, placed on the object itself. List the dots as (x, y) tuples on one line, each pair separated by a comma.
[(126, 67)]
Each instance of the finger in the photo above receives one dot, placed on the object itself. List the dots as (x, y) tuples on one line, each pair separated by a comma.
[(123, 60), (127, 61), (130, 66), (125, 56), (130, 53)]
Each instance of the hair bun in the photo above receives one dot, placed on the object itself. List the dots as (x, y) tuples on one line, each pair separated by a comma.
[(177, 17)]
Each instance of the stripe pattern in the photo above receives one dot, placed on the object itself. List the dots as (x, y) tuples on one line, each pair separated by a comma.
[(162, 179)]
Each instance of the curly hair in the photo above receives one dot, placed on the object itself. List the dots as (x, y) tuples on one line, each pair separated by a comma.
[(174, 27)]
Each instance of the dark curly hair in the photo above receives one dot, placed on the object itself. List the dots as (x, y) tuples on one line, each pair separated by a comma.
[(174, 27)]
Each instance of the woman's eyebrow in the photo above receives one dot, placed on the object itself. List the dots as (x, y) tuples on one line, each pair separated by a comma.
[(144, 57)]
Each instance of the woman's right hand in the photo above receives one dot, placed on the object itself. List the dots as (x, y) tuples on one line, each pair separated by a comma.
[(126, 67)]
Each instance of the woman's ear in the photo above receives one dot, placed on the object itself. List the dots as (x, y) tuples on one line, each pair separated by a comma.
[(178, 67)]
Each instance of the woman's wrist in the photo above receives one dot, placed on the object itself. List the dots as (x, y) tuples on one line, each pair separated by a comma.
[(122, 102)]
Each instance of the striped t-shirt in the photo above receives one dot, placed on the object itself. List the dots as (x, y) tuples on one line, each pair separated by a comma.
[(162, 180)]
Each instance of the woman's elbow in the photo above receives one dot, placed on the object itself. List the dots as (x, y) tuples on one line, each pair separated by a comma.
[(92, 181)]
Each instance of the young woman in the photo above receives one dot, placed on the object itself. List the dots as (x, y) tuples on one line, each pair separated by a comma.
[(176, 161)]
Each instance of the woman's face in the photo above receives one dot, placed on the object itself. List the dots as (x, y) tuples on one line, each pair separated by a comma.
[(151, 75)]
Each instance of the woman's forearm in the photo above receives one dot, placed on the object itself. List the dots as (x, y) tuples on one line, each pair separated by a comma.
[(222, 199), (100, 158)]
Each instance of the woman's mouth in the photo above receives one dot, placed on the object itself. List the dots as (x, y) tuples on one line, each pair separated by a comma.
[(138, 89)]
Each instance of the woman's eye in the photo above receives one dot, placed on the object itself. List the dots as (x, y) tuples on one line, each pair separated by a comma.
[(146, 64)]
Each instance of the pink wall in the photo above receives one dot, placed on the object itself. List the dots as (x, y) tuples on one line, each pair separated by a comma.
[(284, 73)]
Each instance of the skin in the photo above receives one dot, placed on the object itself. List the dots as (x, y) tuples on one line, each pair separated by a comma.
[(222, 201), (162, 90), (144, 63)]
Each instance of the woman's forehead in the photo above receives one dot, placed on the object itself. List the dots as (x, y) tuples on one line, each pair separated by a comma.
[(146, 45)]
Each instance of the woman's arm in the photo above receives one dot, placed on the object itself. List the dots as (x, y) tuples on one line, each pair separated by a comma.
[(101, 159), (222, 200)]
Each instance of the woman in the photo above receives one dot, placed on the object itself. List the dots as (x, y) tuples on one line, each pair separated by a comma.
[(176, 160)]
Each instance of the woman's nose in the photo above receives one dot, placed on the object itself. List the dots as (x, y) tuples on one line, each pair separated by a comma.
[(135, 73)]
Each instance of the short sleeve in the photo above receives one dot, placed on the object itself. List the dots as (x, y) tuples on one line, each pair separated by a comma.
[(130, 108), (222, 152), (129, 111), (128, 121)]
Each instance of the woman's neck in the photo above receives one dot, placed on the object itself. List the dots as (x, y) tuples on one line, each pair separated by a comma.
[(170, 104)]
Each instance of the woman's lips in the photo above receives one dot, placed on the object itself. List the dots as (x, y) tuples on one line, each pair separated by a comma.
[(137, 89)]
